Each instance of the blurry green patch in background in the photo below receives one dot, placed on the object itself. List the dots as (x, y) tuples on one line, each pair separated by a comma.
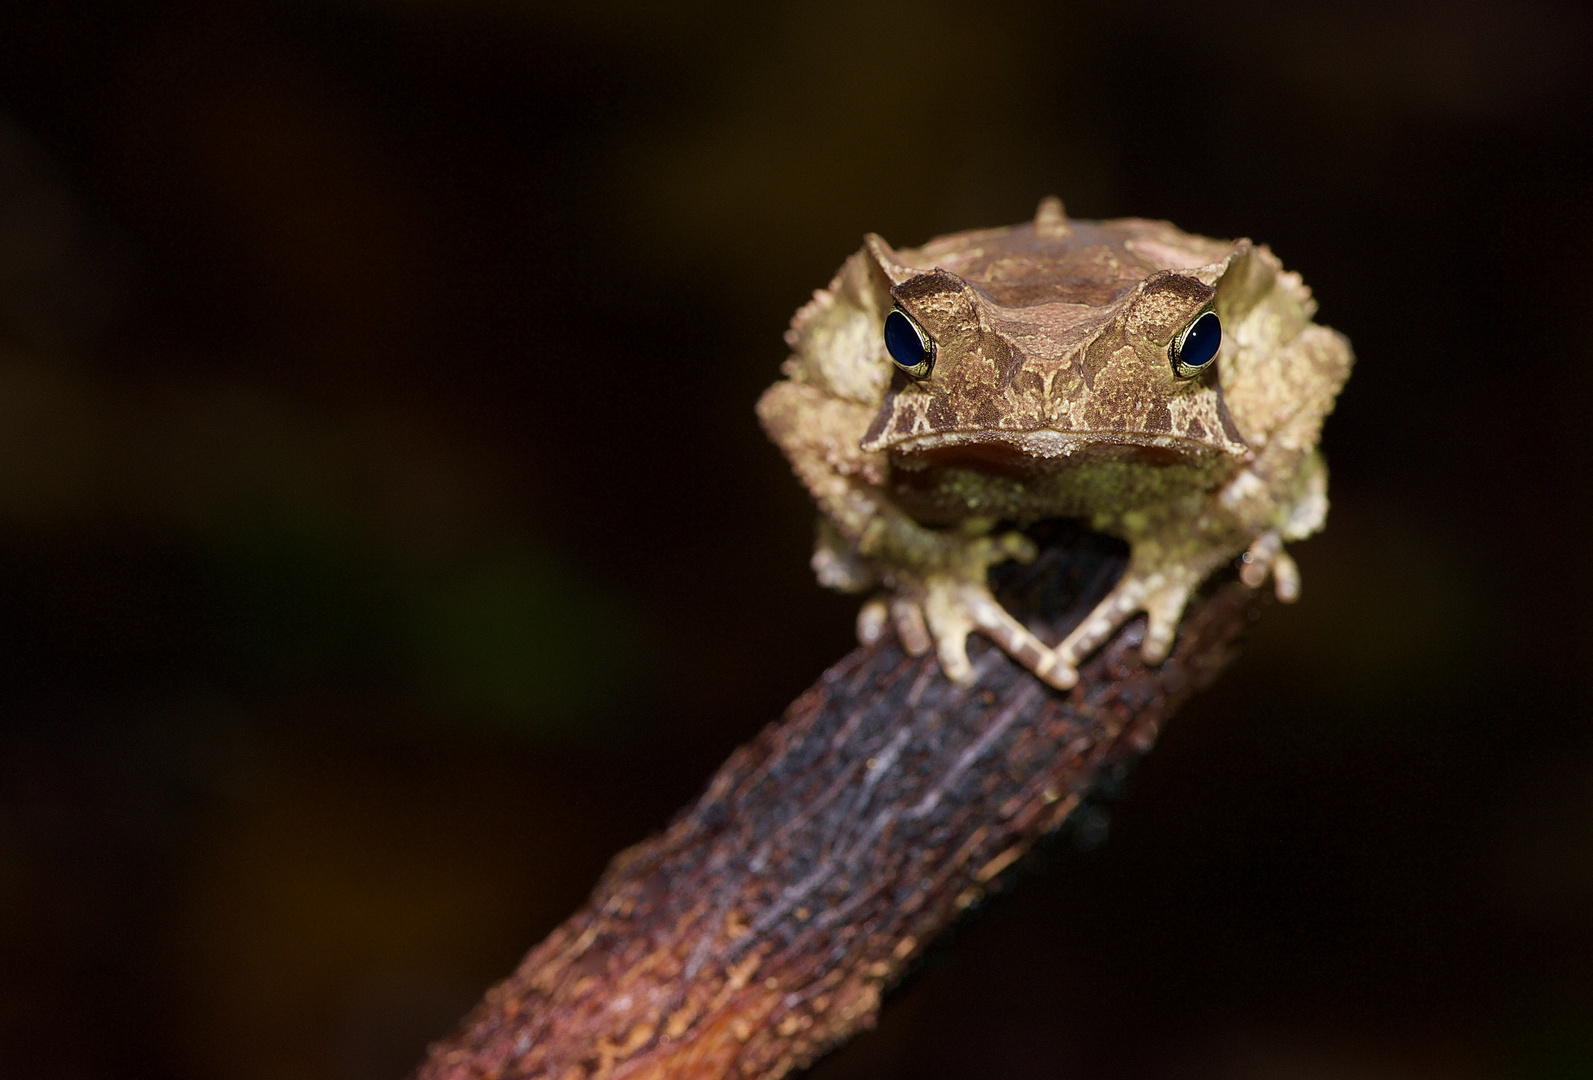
[(514, 642)]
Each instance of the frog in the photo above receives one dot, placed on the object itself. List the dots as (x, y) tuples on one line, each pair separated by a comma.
[(1165, 388)]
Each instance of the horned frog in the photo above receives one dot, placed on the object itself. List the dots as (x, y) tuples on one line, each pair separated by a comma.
[(1168, 388)]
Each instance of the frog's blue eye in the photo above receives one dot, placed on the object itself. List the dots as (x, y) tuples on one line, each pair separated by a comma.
[(911, 349), (1197, 346)]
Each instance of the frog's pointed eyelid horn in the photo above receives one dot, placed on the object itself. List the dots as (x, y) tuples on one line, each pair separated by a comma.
[(1050, 219), (1244, 278), (1213, 273), (885, 262)]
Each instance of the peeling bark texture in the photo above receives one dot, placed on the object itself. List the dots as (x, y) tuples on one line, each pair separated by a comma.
[(763, 926)]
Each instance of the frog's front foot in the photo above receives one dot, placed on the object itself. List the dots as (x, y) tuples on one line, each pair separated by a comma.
[(1162, 589), (1266, 555), (939, 605), (1161, 593)]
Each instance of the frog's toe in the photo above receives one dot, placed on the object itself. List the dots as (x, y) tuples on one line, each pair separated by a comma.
[(1162, 597), (939, 609), (950, 623), (1126, 598), (1286, 577), (872, 618), (999, 625), (1256, 563), (953, 652), (1266, 556), (1163, 611), (908, 615)]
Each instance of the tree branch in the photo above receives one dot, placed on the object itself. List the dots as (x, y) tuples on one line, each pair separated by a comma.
[(761, 928)]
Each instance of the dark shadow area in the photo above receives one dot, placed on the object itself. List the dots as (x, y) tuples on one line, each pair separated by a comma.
[(386, 538)]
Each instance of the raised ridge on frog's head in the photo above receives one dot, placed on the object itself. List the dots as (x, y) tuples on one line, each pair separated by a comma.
[(1057, 339)]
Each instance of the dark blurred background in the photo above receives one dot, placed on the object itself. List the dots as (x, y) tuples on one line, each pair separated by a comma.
[(386, 537)]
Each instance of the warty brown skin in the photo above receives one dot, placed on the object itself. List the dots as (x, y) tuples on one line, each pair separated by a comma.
[(1053, 395)]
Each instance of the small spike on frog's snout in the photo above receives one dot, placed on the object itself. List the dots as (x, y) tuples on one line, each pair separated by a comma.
[(1050, 218)]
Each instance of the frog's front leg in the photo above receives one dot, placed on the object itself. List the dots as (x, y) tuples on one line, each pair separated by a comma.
[(1165, 567), (935, 579)]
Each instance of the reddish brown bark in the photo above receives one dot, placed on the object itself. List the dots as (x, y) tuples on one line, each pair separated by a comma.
[(763, 926)]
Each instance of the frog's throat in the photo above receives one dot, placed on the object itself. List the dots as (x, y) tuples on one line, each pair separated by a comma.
[(1051, 445)]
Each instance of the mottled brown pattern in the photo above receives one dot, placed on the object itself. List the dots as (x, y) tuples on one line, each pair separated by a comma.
[(1056, 337), (763, 927)]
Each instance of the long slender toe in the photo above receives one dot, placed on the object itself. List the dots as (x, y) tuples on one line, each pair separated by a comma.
[(1058, 673), (953, 651), (1158, 641), (989, 616), (1125, 599), (910, 628), (1264, 551), (1163, 612), (872, 618), (1286, 577)]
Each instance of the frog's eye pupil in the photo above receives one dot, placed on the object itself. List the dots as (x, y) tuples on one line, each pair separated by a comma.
[(1197, 346), (911, 349)]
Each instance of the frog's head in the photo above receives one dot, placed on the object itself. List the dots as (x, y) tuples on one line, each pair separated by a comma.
[(1056, 341)]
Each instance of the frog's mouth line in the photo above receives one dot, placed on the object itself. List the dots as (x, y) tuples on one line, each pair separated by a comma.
[(1057, 448)]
